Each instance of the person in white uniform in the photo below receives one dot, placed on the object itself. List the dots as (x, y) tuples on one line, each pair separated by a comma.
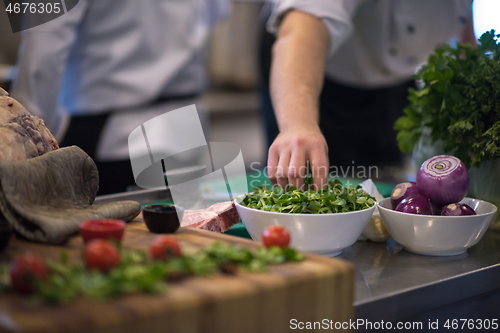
[(106, 66), (340, 75)]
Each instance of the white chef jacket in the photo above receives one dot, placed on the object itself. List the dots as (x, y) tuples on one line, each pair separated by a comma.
[(115, 55), (378, 43)]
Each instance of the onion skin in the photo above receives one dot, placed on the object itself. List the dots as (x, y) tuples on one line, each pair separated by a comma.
[(403, 191), (444, 179), (457, 209), (415, 204)]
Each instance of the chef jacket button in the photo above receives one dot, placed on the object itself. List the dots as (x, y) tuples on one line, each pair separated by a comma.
[(410, 28), (393, 52), (463, 19)]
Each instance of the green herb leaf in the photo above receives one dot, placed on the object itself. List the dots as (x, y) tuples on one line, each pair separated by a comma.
[(460, 102), (335, 198)]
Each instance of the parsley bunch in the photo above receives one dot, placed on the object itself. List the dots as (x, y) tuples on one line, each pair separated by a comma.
[(460, 102), (334, 199)]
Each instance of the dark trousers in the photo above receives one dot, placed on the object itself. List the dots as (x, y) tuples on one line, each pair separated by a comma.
[(358, 123), (85, 132)]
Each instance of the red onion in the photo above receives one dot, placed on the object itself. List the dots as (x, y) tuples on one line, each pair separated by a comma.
[(402, 191), (457, 209), (443, 179), (415, 204)]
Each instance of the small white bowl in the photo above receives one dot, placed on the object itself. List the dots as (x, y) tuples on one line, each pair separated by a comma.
[(436, 235), (326, 234)]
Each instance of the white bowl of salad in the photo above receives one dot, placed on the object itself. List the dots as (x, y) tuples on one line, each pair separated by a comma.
[(322, 222)]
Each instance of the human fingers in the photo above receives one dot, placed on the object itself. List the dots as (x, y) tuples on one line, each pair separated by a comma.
[(318, 160), (272, 164), (297, 169), (282, 170)]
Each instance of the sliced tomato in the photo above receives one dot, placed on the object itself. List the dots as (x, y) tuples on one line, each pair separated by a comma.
[(164, 247), (102, 229), (25, 271), (102, 255)]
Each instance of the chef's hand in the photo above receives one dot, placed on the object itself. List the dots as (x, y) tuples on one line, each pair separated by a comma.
[(290, 151)]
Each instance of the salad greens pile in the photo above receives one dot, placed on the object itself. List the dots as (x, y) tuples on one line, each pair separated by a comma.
[(137, 272), (334, 199), (460, 102)]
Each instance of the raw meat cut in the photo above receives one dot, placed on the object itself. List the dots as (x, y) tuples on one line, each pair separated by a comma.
[(219, 217), (22, 135)]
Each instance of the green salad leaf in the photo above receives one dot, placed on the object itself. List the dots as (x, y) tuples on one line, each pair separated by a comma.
[(336, 198), (460, 102)]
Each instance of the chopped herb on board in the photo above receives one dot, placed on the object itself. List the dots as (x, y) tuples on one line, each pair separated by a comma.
[(334, 199), (137, 272)]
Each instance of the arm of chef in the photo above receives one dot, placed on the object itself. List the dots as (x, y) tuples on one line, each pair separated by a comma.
[(336, 15), (42, 58), (308, 31)]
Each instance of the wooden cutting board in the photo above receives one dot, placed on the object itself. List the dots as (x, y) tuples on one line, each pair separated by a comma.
[(317, 288)]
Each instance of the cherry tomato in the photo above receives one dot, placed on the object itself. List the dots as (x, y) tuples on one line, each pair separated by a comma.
[(25, 270), (101, 254), (164, 247), (103, 229), (276, 235)]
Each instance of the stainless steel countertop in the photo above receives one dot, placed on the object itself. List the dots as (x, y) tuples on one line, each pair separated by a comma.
[(141, 196), (392, 283)]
